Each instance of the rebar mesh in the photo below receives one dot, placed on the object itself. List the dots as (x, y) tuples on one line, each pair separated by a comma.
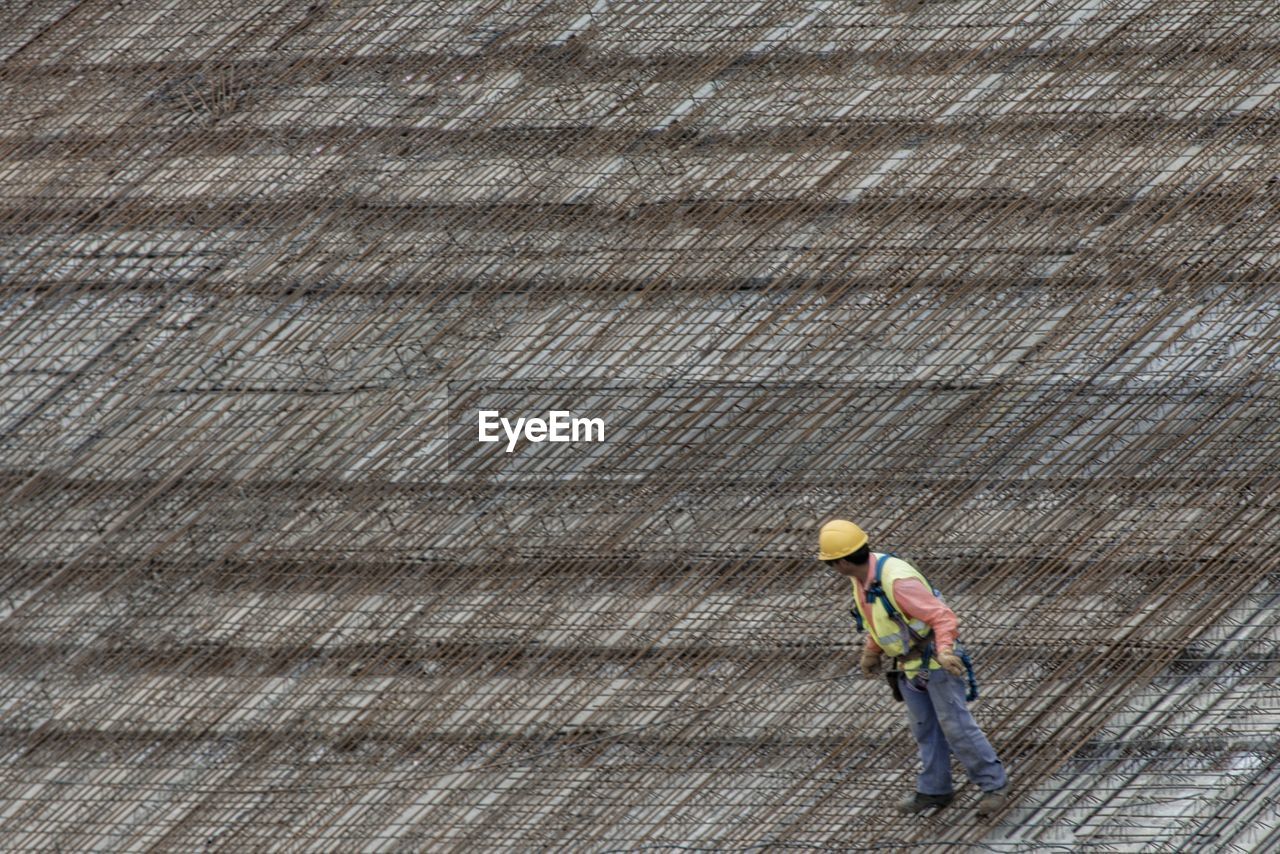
[(997, 280)]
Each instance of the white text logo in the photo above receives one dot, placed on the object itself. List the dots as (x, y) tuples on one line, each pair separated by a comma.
[(558, 427)]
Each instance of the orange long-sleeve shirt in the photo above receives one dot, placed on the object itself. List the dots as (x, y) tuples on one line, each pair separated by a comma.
[(916, 602)]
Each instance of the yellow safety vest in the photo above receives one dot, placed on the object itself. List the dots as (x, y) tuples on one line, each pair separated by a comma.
[(886, 631)]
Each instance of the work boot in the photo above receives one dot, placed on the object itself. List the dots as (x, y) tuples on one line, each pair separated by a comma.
[(919, 802), (993, 801)]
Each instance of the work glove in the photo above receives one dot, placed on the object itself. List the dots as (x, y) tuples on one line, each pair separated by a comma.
[(951, 662), (870, 662)]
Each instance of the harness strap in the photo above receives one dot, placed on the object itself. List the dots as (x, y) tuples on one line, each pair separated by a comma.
[(877, 591), (972, 693), (968, 669)]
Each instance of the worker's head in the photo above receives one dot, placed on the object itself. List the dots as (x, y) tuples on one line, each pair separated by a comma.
[(842, 546)]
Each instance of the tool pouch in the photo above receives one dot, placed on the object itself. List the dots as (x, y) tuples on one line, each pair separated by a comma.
[(893, 686)]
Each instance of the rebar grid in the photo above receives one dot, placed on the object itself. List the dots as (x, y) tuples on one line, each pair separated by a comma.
[(996, 280)]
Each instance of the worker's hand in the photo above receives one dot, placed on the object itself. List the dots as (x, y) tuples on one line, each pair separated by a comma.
[(870, 662), (951, 662)]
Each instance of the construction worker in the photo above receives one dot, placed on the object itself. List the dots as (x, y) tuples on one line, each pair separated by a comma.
[(906, 621)]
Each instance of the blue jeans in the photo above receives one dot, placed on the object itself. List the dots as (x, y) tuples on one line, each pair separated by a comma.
[(942, 725)]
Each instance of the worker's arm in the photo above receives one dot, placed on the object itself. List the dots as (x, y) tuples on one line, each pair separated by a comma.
[(918, 602)]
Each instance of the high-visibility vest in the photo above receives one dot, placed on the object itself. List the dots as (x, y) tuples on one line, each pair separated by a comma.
[(894, 632)]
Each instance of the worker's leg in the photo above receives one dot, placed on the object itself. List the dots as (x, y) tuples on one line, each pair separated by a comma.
[(935, 756), (967, 741)]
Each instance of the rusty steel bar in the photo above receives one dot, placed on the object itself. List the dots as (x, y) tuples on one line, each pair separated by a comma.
[(997, 280)]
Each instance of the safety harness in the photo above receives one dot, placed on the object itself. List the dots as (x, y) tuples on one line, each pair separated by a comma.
[(876, 591)]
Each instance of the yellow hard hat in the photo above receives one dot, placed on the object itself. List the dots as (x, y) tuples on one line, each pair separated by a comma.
[(839, 538)]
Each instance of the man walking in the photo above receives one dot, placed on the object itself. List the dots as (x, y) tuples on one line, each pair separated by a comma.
[(906, 621)]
